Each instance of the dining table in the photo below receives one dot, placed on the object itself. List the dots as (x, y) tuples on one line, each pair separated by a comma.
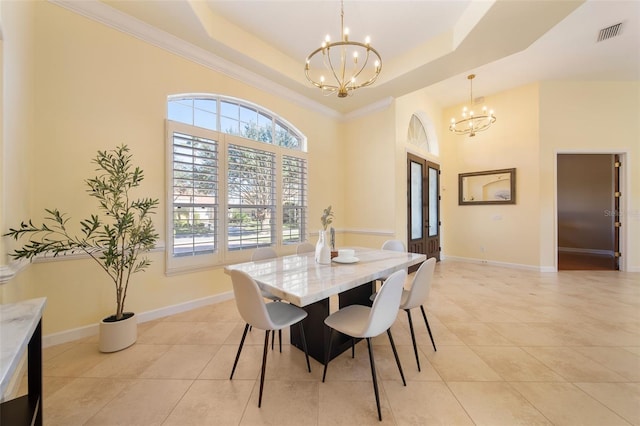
[(320, 288)]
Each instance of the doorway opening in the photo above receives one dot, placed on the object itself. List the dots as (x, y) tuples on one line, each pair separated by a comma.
[(588, 215)]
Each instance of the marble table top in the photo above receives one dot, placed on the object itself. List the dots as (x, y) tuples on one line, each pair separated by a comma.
[(301, 281), (18, 321)]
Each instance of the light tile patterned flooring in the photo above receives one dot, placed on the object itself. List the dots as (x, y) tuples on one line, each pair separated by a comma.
[(514, 347)]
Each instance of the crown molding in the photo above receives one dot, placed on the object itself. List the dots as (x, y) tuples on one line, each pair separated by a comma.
[(369, 109), (100, 12)]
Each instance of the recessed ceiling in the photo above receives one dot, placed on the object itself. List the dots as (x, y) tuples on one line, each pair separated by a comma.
[(424, 44)]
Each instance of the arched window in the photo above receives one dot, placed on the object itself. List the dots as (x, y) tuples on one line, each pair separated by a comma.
[(237, 180), (235, 117), (421, 133)]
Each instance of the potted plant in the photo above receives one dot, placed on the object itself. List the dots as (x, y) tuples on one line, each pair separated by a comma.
[(115, 240)]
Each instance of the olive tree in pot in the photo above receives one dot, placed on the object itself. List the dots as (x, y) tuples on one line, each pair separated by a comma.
[(115, 239)]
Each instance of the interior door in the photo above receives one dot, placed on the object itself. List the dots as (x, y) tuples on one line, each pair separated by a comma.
[(423, 199), (616, 211), (588, 203)]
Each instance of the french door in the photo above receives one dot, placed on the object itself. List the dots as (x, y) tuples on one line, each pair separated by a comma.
[(423, 206)]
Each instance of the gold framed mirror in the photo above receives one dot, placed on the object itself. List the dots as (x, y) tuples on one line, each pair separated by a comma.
[(488, 187)]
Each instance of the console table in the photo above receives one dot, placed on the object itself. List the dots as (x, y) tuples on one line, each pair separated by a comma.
[(20, 332)]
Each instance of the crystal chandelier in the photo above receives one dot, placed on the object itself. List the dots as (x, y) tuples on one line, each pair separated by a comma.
[(471, 123), (350, 65)]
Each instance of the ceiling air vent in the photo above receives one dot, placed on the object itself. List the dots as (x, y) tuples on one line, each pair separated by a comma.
[(609, 32)]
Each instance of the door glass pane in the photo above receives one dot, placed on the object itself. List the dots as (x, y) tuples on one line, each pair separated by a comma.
[(433, 202), (416, 201)]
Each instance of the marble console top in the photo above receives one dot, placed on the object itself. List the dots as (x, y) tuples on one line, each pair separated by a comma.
[(18, 321), (301, 281)]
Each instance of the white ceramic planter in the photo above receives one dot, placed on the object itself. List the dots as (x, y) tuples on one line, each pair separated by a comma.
[(118, 335)]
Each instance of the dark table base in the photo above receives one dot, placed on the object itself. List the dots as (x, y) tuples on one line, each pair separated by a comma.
[(318, 334)]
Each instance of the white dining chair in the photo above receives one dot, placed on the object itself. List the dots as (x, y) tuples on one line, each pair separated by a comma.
[(392, 245), (264, 316), (417, 296), (364, 322), (264, 253), (305, 248)]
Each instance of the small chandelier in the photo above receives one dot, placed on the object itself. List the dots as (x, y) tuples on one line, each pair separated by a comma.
[(350, 65), (471, 123)]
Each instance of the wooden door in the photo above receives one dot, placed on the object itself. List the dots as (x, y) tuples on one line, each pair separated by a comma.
[(423, 206), (617, 164)]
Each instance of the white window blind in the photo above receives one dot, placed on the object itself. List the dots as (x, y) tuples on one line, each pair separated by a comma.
[(250, 197), (195, 195), (294, 199)]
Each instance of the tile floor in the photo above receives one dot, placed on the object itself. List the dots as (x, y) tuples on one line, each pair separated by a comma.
[(514, 347)]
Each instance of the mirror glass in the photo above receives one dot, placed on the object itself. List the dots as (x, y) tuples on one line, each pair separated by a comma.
[(488, 187)]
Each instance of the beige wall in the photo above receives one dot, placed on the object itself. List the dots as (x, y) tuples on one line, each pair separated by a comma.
[(590, 117), (89, 88), (535, 123), (369, 179), (18, 96), (506, 233)]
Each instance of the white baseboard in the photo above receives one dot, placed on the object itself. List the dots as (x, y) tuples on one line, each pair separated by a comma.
[(502, 264), (92, 329)]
